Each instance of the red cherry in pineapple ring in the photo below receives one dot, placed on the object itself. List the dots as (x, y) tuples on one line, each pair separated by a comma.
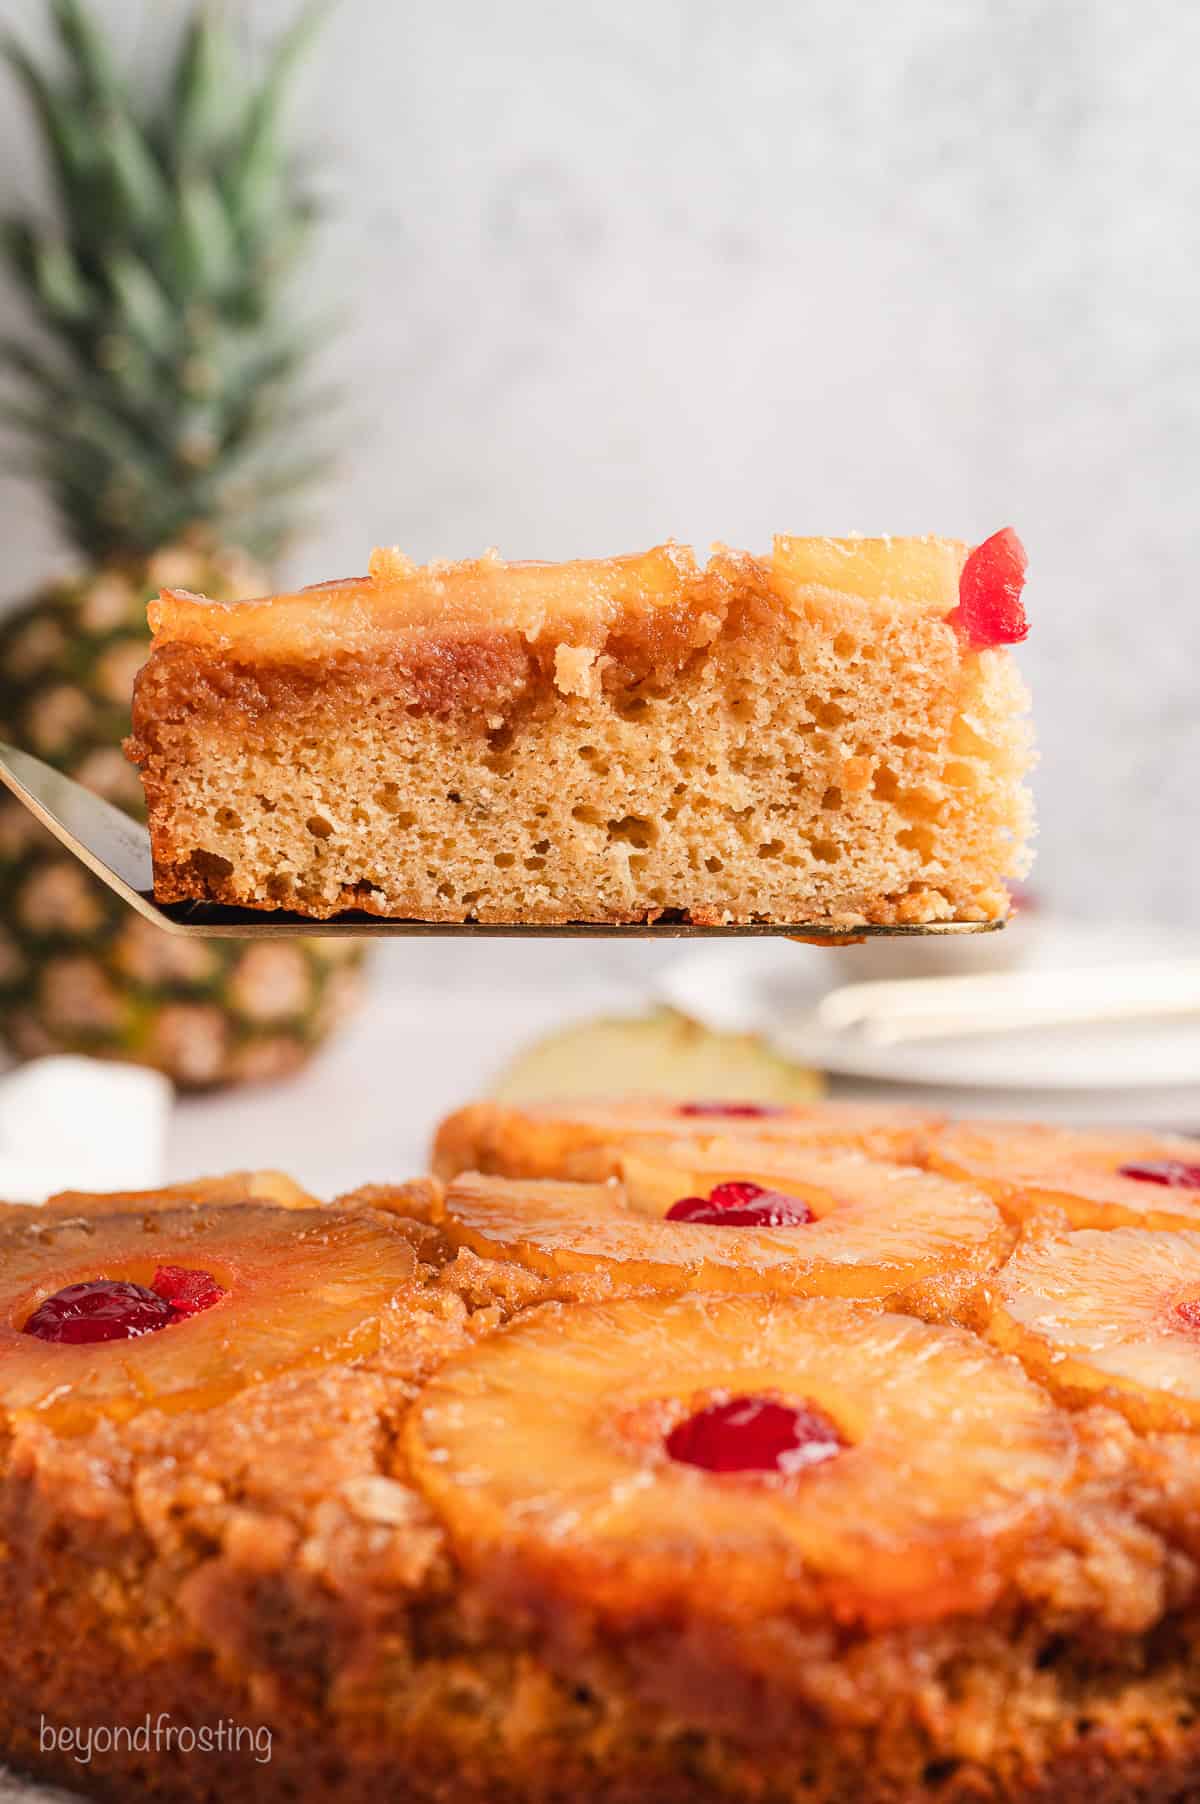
[(990, 611), (745, 1110), (741, 1205), (1171, 1172), (755, 1434), (103, 1309), (1187, 1313), (188, 1292)]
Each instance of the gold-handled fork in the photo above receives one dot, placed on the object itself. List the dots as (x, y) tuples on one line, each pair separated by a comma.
[(117, 850)]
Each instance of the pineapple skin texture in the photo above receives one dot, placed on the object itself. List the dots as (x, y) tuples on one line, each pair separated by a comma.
[(79, 972)]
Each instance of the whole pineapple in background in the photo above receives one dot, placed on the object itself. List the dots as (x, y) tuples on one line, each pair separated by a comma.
[(159, 406)]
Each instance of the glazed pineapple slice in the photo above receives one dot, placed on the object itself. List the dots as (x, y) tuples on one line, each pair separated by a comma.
[(922, 571), (1096, 1180), (232, 1187), (804, 1223), (1108, 1314), (715, 1457), (572, 1138), (398, 598), (177, 1310)]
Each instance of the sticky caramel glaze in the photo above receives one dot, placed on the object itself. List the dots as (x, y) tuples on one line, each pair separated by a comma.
[(478, 636), (213, 657), (582, 604)]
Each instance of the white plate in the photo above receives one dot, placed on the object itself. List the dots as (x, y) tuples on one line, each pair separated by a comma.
[(773, 989)]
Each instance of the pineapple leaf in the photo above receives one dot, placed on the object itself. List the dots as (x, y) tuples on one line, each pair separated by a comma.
[(201, 116), (282, 479), (140, 192), (174, 361), (86, 51), (29, 365), (258, 172), (23, 417), (205, 242), (146, 312), (64, 292), (63, 132), (287, 410), (47, 270)]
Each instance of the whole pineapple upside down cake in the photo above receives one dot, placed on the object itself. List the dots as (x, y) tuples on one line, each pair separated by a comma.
[(834, 734), (698, 1452)]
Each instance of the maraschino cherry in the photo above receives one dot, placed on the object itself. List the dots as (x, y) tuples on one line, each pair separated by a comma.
[(1174, 1173), (734, 1110), (102, 1309), (741, 1205), (755, 1434), (990, 611)]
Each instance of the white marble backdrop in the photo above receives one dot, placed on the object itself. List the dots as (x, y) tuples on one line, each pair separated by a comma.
[(623, 269)]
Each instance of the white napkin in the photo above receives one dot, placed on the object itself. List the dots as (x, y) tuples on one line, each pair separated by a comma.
[(81, 1124)]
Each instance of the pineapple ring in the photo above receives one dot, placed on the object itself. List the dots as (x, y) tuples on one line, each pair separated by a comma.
[(523, 1445), (234, 1187), (585, 1140), (1093, 1314), (303, 1287), (1029, 1167), (880, 1232)]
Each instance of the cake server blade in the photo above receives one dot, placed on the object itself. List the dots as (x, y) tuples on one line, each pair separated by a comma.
[(117, 850)]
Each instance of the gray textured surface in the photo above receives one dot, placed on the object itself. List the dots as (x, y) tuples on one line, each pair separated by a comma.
[(626, 270)]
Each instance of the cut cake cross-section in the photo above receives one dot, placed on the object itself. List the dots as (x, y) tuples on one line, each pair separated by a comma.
[(833, 735)]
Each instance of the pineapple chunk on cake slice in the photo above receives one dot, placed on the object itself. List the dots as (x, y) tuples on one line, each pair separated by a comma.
[(924, 571), (725, 1461), (570, 603), (1108, 1315), (82, 1335), (809, 1225), (231, 1187), (1093, 1179)]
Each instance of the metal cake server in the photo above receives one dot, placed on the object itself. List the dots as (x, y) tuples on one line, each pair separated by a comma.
[(117, 850)]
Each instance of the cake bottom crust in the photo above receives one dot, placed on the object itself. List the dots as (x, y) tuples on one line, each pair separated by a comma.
[(414, 1775), (479, 1756), (189, 881)]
